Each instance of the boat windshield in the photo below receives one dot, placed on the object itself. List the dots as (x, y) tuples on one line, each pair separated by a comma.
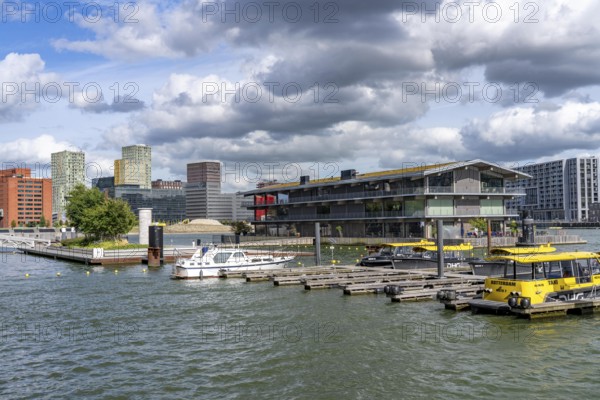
[(221, 257), (581, 269)]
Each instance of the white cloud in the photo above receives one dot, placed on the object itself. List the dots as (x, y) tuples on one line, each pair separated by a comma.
[(25, 85), (34, 150)]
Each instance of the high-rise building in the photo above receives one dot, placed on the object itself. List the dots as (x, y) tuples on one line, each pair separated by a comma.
[(205, 172), (560, 190), (68, 169), (160, 184), (204, 198), (135, 166), (24, 199)]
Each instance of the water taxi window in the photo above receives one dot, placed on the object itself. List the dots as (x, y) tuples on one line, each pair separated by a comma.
[(583, 268), (553, 269), (595, 265), (404, 250), (386, 251)]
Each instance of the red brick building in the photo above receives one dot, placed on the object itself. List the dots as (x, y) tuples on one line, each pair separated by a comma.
[(24, 199)]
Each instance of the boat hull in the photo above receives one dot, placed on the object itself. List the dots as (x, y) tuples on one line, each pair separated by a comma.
[(212, 271), (424, 263)]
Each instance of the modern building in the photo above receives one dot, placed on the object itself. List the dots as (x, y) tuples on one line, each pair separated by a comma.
[(24, 200), (397, 203), (204, 198), (106, 183), (561, 190), (135, 166), (160, 184), (168, 205), (68, 170)]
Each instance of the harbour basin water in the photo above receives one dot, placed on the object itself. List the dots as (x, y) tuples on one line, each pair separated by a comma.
[(71, 331)]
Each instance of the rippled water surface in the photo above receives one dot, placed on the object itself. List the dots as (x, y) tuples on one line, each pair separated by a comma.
[(120, 333)]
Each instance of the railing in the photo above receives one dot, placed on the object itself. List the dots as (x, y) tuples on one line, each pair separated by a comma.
[(344, 216), (386, 193), (386, 214)]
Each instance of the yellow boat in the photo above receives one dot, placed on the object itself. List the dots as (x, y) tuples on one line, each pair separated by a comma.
[(516, 250), (493, 266), (553, 277), (454, 256)]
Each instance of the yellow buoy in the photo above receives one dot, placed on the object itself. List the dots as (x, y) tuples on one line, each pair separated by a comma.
[(87, 272), (58, 274), (26, 275), (144, 270)]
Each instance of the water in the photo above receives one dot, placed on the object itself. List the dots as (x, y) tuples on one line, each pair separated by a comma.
[(122, 333)]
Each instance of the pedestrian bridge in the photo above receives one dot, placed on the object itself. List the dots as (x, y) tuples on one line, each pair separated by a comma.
[(21, 241)]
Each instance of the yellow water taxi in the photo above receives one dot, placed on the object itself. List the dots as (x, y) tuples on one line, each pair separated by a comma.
[(552, 277), (516, 250), (383, 258), (493, 266)]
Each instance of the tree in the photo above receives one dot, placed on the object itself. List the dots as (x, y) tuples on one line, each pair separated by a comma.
[(42, 221), (81, 201), (99, 217), (13, 224), (241, 227), (479, 223), (513, 226)]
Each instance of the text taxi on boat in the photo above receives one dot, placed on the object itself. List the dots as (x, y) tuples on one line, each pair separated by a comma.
[(552, 277)]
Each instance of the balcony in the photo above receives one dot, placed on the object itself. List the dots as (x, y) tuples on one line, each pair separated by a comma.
[(389, 193), (343, 216), (387, 215)]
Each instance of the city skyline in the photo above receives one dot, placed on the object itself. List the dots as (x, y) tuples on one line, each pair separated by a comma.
[(302, 84)]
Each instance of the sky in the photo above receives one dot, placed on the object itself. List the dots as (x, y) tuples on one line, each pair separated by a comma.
[(279, 89)]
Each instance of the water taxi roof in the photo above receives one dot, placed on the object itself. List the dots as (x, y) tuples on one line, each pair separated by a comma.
[(409, 244), (457, 247), (538, 258), (507, 251)]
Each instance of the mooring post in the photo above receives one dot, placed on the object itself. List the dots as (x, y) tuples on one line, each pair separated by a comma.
[(317, 244), (440, 247)]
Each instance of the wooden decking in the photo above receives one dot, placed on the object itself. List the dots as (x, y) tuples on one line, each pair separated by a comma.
[(411, 285)]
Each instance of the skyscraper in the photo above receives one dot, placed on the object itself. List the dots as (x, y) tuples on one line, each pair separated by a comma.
[(559, 190), (135, 166), (68, 169), (203, 197)]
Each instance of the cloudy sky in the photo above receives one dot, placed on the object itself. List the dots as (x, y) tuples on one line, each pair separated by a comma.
[(301, 87)]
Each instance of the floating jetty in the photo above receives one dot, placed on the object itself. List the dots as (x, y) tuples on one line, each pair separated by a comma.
[(104, 257), (535, 311), (116, 257), (409, 285)]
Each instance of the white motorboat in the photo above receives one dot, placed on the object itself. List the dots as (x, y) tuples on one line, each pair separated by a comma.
[(208, 261)]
